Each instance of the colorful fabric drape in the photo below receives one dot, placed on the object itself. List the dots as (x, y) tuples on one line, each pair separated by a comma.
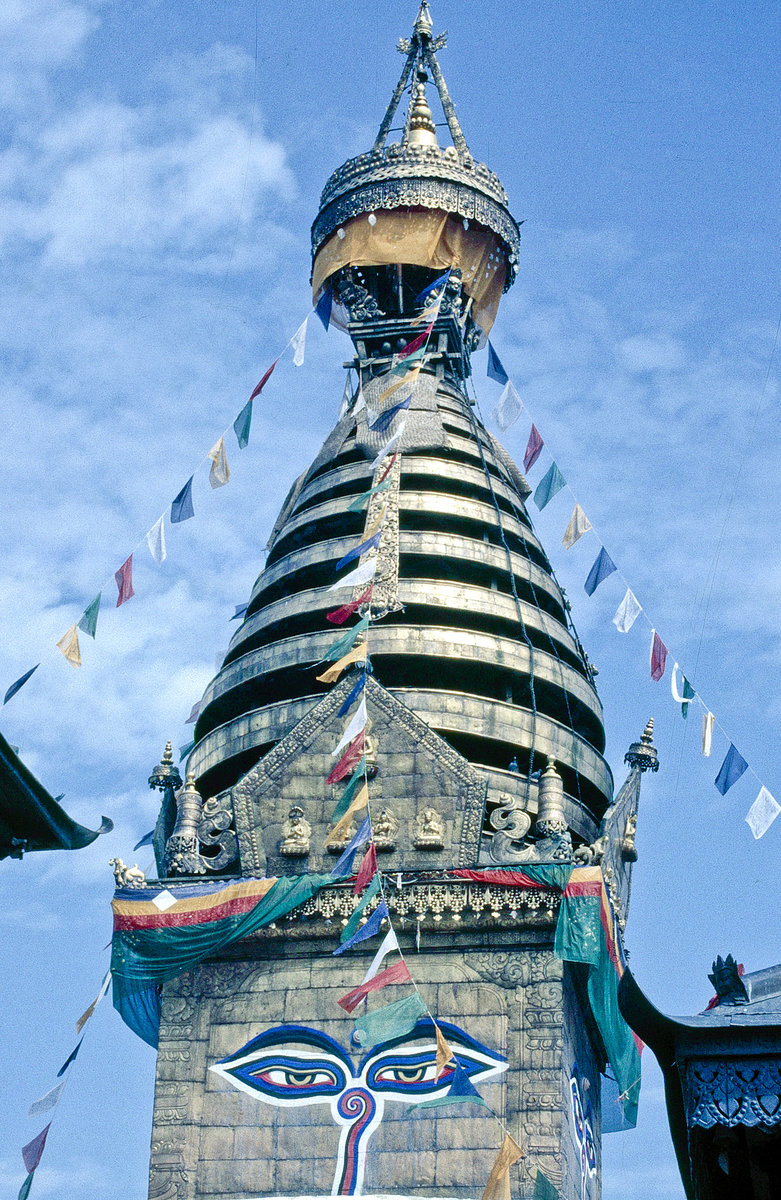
[(124, 578), (398, 973), (731, 770), (495, 370), (658, 656), (603, 566), (150, 946), (533, 449), (392, 1021)]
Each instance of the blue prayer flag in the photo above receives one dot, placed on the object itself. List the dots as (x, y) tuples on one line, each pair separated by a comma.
[(324, 306), (355, 691), (182, 507), (603, 566), (344, 864), (70, 1058), (240, 611), (495, 369), (368, 930), (21, 681), (241, 426), (146, 840), (384, 419), (731, 770), (421, 296), (357, 551), (551, 483)]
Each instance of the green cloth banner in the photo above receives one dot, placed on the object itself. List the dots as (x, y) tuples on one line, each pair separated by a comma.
[(144, 958), (358, 911), (394, 1020)]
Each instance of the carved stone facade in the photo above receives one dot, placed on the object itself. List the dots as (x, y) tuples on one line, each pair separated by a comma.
[(211, 1140)]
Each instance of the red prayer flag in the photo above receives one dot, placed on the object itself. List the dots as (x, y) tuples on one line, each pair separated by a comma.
[(339, 615), (398, 973), (533, 449), (416, 343), (264, 380), (31, 1153), (658, 657), (386, 472), (367, 870), (124, 578), (349, 759)]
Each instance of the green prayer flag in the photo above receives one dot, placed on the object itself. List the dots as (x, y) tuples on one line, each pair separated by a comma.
[(359, 501), (550, 485), (348, 795), (357, 913), (544, 1189), (346, 641), (24, 1190), (242, 424), (394, 1020), (185, 750), (688, 694), (89, 620)]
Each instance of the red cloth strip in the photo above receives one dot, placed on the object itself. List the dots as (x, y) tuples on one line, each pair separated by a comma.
[(264, 380), (398, 973), (338, 616), (503, 878), (367, 870), (216, 912), (349, 759), (416, 343), (385, 473)]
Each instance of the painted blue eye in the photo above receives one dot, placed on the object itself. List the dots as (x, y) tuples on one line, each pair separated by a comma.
[(290, 1077)]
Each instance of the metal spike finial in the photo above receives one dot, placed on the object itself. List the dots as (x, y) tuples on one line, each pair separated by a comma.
[(166, 773), (643, 754), (423, 23)]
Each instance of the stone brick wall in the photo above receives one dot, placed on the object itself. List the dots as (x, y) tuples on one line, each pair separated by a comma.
[(211, 1140)]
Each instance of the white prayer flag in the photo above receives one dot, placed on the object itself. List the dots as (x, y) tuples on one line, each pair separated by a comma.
[(220, 471), (164, 900), (360, 402), (389, 942), (357, 724), (155, 540), (578, 525), (388, 446), (762, 813), (298, 342), (627, 612), (707, 733), (48, 1101), (362, 574), (508, 408)]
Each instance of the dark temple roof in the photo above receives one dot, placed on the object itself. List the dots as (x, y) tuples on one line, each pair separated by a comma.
[(31, 819)]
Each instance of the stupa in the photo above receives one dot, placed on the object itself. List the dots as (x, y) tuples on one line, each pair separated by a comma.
[(478, 763)]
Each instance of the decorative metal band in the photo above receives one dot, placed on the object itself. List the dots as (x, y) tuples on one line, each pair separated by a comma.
[(398, 159), (442, 905), (420, 191), (740, 1091)]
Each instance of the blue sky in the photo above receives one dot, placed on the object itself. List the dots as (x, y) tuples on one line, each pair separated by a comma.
[(157, 189)]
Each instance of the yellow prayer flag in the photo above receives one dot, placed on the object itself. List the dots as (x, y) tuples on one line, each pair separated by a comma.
[(68, 646), (85, 1016), (220, 471), (357, 654), (498, 1186), (375, 525), (360, 801), (410, 377), (444, 1053)]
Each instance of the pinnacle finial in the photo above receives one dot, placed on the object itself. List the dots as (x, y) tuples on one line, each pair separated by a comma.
[(168, 754), (165, 774), (643, 754), (421, 128), (423, 22)]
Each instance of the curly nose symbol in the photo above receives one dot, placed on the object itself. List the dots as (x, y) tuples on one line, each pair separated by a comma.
[(358, 1109)]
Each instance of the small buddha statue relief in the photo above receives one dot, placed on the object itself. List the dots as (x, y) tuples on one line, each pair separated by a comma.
[(296, 834), (428, 830), (336, 844), (385, 827)]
